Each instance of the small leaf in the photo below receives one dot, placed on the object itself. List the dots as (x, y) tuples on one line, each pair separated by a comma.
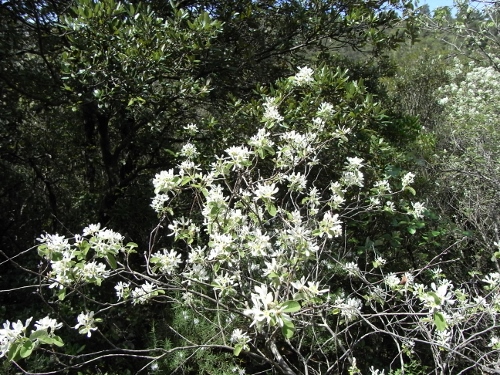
[(290, 306), (288, 329), (112, 261), (271, 208), (411, 190), (36, 335), (439, 321), (237, 350), (26, 349), (437, 300), (62, 294), (13, 352), (57, 341), (46, 340)]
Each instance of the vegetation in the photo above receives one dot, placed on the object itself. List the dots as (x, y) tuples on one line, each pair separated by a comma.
[(249, 187)]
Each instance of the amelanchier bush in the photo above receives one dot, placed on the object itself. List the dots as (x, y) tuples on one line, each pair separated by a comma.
[(470, 168), (264, 259)]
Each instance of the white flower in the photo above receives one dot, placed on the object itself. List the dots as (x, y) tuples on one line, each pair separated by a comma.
[(265, 309), (93, 271), (265, 191), (165, 181), (47, 324), (143, 293), (353, 178), (311, 290), (354, 163), (304, 76), (443, 338), (379, 261), (297, 181), (271, 112), (382, 186), (418, 210), (391, 280), (407, 179), (352, 269), (55, 244), (86, 323), (91, 229), (492, 279), (261, 139), (158, 202), (239, 156), (191, 129), (349, 308), (439, 296), (189, 151), (154, 366), (224, 283), (389, 206), (188, 168), (166, 261), (10, 333), (325, 110), (374, 371), (240, 337), (494, 342), (444, 100), (122, 290), (330, 225), (238, 370), (260, 244)]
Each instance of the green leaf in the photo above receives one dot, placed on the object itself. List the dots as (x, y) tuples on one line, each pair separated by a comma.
[(57, 341), (290, 306), (411, 190), (36, 335), (271, 208), (288, 329), (412, 230), (437, 300), (62, 294), (237, 350), (112, 261), (46, 340), (13, 352), (26, 349), (439, 321)]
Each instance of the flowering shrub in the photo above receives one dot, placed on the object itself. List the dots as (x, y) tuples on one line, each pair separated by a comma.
[(469, 173), (265, 260)]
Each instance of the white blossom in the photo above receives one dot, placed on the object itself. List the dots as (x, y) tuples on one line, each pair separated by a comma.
[(122, 290), (166, 261), (407, 179), (47, 324), (352, 269), (86, 323), (239, 156), (265, 191), (271, 112), (189, 151), (304, 76), (143, 293)]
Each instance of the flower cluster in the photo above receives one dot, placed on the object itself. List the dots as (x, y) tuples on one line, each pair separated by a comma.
[(15, 343), (86, 323), (85, 260)]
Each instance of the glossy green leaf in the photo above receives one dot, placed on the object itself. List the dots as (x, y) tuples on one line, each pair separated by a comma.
[(439, 321)]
